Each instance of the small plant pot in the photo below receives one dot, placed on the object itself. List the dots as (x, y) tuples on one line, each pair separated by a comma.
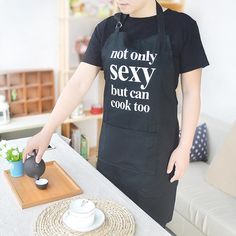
[(16, 168), (41, 183)]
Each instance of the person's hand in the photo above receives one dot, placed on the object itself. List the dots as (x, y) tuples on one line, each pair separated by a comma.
[(179, 158), (38, 142)]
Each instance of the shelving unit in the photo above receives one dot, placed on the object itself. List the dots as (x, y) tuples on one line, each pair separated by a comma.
[(68, 61), (67, 65), (28, 92)]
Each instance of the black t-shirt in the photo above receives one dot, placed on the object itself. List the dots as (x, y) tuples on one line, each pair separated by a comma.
[(188, 51)]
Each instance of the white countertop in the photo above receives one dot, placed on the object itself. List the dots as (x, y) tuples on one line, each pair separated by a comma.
[(15, 221)]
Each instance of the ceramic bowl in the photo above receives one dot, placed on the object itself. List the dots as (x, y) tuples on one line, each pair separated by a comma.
[(41, 183), (81, 212)]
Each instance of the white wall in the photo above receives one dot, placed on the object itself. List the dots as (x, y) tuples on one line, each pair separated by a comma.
[(29, 34), (216, 20), (29, 39)]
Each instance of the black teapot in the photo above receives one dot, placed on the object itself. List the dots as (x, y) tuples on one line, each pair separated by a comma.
[(32, 168)]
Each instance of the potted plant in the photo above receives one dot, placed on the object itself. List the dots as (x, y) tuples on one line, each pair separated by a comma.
[(13, 155)]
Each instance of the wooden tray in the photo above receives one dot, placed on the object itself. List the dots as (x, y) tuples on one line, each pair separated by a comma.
[(60, 185)]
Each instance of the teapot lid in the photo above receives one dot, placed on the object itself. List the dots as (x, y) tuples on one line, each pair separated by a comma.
[(81, 206)]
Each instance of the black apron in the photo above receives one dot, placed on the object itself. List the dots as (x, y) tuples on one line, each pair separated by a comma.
[(140, 129)]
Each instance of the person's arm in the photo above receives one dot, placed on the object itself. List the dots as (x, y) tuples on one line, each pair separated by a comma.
[(190, 84), (70, 97)]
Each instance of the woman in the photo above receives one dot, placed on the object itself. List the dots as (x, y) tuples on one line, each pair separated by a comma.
[(142, 51)]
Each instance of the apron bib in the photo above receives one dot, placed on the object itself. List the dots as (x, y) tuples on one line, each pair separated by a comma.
[(140, 129)]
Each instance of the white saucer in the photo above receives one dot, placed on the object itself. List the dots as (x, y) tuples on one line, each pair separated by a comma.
[(98, 220)]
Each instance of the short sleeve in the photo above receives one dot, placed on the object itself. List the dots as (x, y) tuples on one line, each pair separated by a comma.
[(93, 52), (192, 55)]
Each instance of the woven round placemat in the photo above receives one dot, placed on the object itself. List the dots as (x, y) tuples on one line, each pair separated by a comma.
[(118, 220)]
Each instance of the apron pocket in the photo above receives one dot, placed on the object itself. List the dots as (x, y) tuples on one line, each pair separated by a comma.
[(152, 186), (129, 149)]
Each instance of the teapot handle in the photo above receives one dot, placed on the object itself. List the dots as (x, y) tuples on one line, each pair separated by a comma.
[(34, 153)]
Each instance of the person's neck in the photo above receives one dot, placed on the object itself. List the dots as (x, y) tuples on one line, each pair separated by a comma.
[(148, 10)]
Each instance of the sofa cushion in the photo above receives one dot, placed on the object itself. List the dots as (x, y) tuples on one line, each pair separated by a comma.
[(217, 130), (198, 150), (221, 172), (212, 211)]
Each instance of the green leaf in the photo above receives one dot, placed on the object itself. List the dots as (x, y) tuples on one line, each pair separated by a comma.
[(21, 155)]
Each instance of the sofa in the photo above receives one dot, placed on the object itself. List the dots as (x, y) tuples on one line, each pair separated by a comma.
[(200, 208)]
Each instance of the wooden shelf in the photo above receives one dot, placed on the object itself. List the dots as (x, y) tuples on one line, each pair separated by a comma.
[(87, 116), (16, 87), (67, 68), (31, 78), (33, 91), (32, 100), (15, 79), (47, 84), (18, 109), (47, 98), (68, 123), (32, 85), (19, 101)]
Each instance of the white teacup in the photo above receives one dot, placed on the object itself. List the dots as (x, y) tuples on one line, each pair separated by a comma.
[(81, 212)]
